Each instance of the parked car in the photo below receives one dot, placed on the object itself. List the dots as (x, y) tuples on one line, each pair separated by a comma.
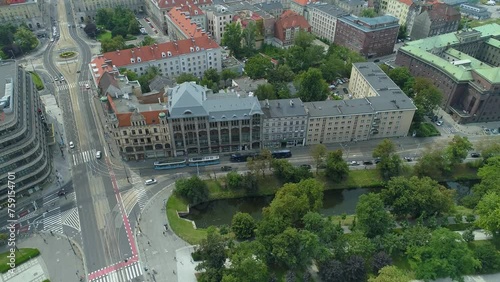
[(408, 159), (439, 122), (354, 163), (367, 162), (345, 90), (376, 160), (475, 155), (150, 181), (87, 86), (98, 155), (226, 168), (71, 145), (61, 192), (308, 166)]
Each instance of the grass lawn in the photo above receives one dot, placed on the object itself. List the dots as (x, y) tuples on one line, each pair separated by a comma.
[(37, 80), (22, 256), (104, 35), (180, 226)]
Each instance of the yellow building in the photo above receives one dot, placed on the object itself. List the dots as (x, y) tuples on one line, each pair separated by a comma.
[(397, 8)]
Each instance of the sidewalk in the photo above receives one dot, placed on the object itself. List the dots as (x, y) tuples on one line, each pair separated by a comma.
[(165, 256), (59, 261)]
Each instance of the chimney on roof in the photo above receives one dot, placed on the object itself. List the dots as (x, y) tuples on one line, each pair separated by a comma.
[(291, 103)]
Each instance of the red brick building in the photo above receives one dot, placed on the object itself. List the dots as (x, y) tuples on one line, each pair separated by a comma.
[(371, 37), (287, 27)]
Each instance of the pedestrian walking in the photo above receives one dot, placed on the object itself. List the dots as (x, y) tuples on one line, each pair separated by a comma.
[(149, 243), (45, 241)]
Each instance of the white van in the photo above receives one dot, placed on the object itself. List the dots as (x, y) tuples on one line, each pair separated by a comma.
[(98, 155), (150, 181)]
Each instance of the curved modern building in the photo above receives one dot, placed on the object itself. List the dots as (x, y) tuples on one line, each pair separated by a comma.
[(23, 146)]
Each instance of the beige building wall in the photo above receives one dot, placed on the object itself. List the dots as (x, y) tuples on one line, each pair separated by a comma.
[(359, 86), (392, 123), (398, 9), (334, 129), (29, 13)]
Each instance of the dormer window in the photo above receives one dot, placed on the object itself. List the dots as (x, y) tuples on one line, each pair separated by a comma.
[(169, 54), (191, 49), (139, 59), (197, 48), (188, 112), (223, 117), (163, 55), (132, 60)]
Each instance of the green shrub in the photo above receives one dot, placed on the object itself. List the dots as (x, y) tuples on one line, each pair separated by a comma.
[(425, 130), (22, 256), (37, 80)]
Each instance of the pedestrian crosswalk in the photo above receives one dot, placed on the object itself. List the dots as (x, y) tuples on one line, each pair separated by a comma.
[(83, 157), (127, 273), (449, 129), (63, 85), (142, 197), (71, 218), (52, 221)]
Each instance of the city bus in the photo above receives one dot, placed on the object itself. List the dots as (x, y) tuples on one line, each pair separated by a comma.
[(282, 154), (170, 164), (204, 161), (238, 158)]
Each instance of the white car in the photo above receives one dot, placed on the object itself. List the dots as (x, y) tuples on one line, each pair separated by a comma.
[(150, 181), (71, 145), (98, 155), (87, 86), (439, 122)]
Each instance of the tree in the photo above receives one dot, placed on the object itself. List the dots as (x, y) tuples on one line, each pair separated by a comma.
[(324, 228), (90, 29), (427, 99), (104, 17), (133, 26), (403, 32), (258, 66), (333, 68), (391, 273), (415, 236), (283, 73), (193, 189), (357, 244), (112, 44), (25, 39), (148, 40), (489, 150), (445, 255), (332, 271), (212, 251), (249, 183), (234, 180), (468, 235), (390, 163), (260, 163), (336, 168), (227, 74), (211, 79), (245, 265), (368, 13), (232, 38), (373, 219), (186, 77), (489, 257), (303, 39), (286, 172), (248, 35), (295, 248), (318, 153), (417, 196), (402, 77), (119, 30), (380, 260), (431, 164), (457, 150), (312, 86), (243, 225), (265, 91), (488, 210), (355, 269)]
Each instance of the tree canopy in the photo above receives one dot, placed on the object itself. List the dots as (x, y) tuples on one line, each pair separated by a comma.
[(390, 164), (232, 39), (336, 168), (312, 87), (373, 219), (212, 251), (258, 66), (488, 210), (193, 189), (119, 20), (243, 225)]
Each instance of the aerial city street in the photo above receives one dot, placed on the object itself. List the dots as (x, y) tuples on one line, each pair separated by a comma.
[(207, 140)]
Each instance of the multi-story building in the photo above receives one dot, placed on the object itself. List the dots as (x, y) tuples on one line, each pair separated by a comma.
[(288, 26), (285, 123), (24, 153), (299, 6), (193, 56), (465, 66), (22, 11), (379, 109), (474, 12), (136, 121), (87, 9), (432, 19), (397, 8), (201, 122), (274, 8), (323, 19), (185, 22), (353, 7), (218, 17), (371, 37), (158, 9)]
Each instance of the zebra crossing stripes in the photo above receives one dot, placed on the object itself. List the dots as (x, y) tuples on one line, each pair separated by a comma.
[(127, 273), (142, 197), (71, 218), (83, 157), (64, 85), (53, 222)]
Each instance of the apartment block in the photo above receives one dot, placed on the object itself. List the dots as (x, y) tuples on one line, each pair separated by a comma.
[(158, 9), (323, 19), (87, 9), (398, 9), (218, 16), (285, 122), (378, 109), (371, 37), (24, 152), (193, 56), (288, 25), (185, 22), (432, 19), (201, 122), (274, 7), (465, 66), (22, 11), (474, 12), (353, 7)]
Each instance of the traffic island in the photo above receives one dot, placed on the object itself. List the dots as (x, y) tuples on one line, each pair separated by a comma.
[(67, 55)]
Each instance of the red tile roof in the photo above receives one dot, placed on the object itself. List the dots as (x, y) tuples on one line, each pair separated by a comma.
[(183, 22), (121, 58), (151, 117), (244, 18), (407, 2), (169, 4), (304, 2), (290, 19)]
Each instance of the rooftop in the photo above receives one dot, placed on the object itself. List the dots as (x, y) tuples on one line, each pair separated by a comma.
[(290, 19), (168, 4), (427, 50), (283, 108), (329, 9), (247, 85), (8, 80), (371, 24), (182, 20), (353, 2), (270, 6)]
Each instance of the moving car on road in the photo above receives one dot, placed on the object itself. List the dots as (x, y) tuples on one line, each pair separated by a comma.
[(150, 181), (226, 168), (71, 145)]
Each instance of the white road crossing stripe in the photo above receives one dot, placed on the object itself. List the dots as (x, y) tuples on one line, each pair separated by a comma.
[(130, 272), (71, 218), (141, 190), (53, 222), (83, 157)]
